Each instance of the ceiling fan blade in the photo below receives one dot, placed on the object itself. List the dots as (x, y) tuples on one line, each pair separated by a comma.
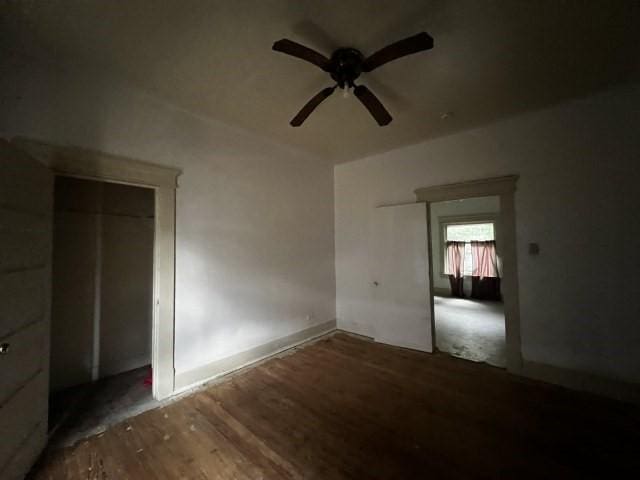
[(376, 109), (300, 51), (417, 43), (311, 106)]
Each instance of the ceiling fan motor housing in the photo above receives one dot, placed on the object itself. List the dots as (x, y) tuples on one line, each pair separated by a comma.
[(345, 66)]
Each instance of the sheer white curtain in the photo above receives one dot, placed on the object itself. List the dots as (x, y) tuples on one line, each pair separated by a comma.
[(485, 281), (455, 267)]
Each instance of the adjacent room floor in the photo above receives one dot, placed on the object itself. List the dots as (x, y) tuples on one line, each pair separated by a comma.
[(347, 408), (471, 329), (85, 410)]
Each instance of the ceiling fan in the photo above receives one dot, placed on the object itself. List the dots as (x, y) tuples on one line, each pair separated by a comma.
[(346, 65)]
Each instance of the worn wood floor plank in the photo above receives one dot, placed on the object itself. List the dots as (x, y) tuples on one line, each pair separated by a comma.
[(346, 408), (242, 438)]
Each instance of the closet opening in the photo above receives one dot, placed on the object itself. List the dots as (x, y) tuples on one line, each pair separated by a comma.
[(102, 306)]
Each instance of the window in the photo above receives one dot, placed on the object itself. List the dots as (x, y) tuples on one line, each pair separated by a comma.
[(465, 232)]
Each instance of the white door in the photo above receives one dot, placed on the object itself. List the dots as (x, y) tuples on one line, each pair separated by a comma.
[(400, 277), (26, 201)]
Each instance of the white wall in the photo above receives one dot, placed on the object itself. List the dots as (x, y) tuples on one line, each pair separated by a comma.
[(127, 291), (103, 280), (440, 210), (577, 197), (254, 239)]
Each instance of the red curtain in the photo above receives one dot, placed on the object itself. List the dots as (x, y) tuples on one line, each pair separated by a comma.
[(455, 267), (485, 281)]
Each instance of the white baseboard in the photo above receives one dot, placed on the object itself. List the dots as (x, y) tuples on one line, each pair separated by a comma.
[(205, 373), (572, 379), (576, 380)]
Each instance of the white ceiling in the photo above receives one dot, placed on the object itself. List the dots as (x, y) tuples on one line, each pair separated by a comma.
[(491, 58)]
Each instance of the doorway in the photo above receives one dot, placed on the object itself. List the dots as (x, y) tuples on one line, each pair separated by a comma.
[(102, 305), (505, 236), (466, 264), (90, 164)]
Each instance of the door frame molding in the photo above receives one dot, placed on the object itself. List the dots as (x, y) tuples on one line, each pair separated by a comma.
[(504, 188), (92, 165)]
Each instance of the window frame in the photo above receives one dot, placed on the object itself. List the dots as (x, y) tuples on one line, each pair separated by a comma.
[(443, 222)]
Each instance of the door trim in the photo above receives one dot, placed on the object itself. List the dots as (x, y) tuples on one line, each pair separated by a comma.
[(503, 187), (93, 165)]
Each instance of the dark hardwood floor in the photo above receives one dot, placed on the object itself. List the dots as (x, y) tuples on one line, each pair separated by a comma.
[(346, 408)]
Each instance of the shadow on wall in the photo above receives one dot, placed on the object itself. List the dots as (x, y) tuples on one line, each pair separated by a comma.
[(102, 280), (233, 180)]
